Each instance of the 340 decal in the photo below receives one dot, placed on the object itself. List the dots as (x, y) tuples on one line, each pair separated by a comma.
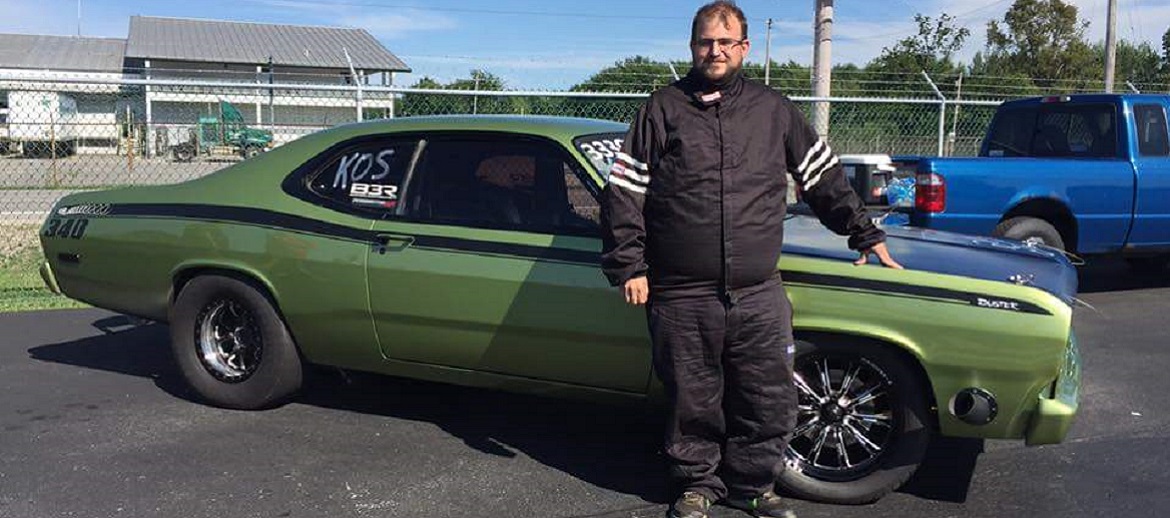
[(73, 228)]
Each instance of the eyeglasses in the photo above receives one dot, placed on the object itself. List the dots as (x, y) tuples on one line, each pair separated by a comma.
[(723, 43)]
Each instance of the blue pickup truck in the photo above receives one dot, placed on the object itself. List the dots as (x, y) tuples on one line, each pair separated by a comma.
[(1089, 174)]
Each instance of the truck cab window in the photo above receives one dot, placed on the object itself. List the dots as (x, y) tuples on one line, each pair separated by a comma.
[(1083, 130), (1150, 120)]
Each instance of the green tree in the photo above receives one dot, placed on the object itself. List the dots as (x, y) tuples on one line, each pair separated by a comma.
[(790, 78), (436, 104), (1166, 49), (932, 49), (1044, 39), (632, 74), (1138, 64), (636, 74)]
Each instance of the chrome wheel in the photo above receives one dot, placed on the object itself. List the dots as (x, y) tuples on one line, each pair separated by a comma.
[(229, 340), (846, 417)]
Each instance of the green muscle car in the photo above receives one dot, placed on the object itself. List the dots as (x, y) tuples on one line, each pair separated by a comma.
[(465, 249)]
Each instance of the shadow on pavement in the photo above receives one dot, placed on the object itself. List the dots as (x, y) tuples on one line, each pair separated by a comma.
[(945, 474), (616, 447), (1107, 274), (125, 348)]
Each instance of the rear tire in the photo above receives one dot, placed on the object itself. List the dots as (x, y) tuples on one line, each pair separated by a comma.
[(896, 423), (1030, 230), (232, 346), (250, 151)]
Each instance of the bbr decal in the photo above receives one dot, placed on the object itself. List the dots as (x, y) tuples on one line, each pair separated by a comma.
[(373, 190)]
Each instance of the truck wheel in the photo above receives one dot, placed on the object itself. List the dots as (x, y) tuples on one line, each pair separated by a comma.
[(1148, 265), (1030, 230), (231, 345), (861, 427), (250, 151)]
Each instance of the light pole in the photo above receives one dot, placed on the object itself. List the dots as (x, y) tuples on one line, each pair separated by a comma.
[(822, 64), (768, 55)]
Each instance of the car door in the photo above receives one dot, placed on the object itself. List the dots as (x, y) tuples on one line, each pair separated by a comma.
[(492, 265), (358, 178), (1151, 152)]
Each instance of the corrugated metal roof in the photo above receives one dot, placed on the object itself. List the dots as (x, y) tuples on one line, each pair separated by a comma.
[(61, 52), (217, 41)]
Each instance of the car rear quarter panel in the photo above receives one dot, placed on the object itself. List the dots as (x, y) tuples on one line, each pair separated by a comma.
[(1014, 355)]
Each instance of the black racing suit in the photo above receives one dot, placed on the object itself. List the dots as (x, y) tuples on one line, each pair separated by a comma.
[(696, 201)]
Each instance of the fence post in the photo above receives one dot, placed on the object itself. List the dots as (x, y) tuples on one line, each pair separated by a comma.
[(942, 114), (942, 126)]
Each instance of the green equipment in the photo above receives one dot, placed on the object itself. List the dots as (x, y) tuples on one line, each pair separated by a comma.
[(223, 134)]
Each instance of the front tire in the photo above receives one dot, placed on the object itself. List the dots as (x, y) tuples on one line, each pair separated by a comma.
[(231, 345), (861, 427), (1030, 230)]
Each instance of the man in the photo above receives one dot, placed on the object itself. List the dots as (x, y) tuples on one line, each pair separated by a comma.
[(693, 222)]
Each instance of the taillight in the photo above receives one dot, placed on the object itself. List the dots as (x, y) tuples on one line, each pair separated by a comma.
[(930, 193)]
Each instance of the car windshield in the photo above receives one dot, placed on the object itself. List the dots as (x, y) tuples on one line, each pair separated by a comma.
[(600, 148)]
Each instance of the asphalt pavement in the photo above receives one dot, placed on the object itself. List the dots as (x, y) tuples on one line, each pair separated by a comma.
[(94, 422)]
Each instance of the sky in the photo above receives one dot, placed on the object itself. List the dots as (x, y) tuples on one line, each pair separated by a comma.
[(551, 45)]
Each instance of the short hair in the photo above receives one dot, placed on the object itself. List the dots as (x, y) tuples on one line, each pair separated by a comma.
[(721, 10)]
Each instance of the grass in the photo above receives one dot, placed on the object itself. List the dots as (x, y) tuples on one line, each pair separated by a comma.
[(21, 287)]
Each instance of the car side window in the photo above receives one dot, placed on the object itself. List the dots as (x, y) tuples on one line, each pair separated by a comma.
[(365, 176), (1151, 130), (502, 183)]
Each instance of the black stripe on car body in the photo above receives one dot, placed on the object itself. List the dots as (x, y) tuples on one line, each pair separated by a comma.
[(267, 218), (878, 287)]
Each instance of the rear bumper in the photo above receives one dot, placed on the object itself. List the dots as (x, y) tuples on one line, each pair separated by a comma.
[(50, 278), (1054, 416)]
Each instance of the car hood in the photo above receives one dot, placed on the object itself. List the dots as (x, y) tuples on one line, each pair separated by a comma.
[(947, 253)]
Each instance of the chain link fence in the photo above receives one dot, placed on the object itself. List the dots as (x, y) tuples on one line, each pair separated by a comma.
[(60, 135)]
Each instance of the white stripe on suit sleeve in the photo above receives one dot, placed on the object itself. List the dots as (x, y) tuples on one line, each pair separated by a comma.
[(620, 168), (808, 156), (629, 160), (817, 178), (640, 178), (623, 183), (815, 167)]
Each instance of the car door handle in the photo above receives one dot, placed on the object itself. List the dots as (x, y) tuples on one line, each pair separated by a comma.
[(392, 242)]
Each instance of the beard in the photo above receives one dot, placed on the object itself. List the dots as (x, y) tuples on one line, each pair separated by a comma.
[(718, 73)]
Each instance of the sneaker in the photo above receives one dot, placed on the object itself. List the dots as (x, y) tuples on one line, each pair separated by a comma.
[(767, 505), (690, 505)]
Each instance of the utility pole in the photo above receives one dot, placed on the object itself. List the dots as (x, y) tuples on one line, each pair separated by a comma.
[(822, 64), (78, 18), (1110, 46), (768, 55)]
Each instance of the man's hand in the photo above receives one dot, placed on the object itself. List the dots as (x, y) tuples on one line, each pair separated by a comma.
[(883, 256), (637, 290)]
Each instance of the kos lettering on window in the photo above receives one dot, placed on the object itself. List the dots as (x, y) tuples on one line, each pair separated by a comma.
[(355, 167)]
